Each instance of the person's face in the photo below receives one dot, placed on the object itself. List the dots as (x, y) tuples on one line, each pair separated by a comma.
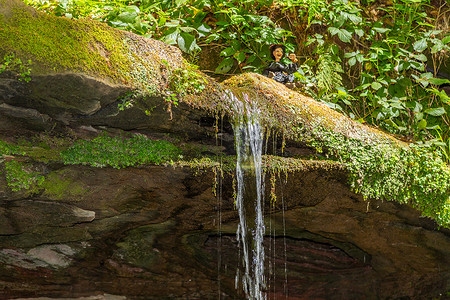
[(278, 54)]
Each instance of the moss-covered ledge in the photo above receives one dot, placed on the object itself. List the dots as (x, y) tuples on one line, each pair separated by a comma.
[(59, 45)]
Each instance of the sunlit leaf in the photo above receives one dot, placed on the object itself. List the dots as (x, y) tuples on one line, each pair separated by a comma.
[(438, 81), (420, 45), (436, 112), (376, 85), (187, 42), (227, 52), (240, 57)]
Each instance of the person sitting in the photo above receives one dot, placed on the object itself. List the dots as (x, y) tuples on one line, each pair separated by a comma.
[(277, 70)]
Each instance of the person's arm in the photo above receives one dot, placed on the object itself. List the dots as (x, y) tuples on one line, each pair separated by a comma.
[(292, 67)]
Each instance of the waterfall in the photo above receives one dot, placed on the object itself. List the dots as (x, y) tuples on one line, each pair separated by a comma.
[(249, 199)]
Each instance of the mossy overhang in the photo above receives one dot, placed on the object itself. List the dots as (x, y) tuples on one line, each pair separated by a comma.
[(58, 45), (292, 112)]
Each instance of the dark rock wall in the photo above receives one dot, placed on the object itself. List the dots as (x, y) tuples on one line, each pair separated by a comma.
[(153, 233)]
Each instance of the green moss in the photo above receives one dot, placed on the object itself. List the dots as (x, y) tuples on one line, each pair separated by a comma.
[(120, 152), (56, 185), (59, 44), (20, 176)]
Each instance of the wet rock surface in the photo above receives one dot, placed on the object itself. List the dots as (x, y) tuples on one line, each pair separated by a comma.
[(153, 233)]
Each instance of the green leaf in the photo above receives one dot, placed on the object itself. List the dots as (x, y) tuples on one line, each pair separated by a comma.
[(240, 57), (227, 52), (436, 48), (436, 112), (203, 29), (438, 81), (344, 35), (127, 17), (225, 66), (359, 32), (352, 61), (420, 45), (376, 85), (381, 30), (422, 124), (171, 38), (187, 42), (446, 39), (421, 57)]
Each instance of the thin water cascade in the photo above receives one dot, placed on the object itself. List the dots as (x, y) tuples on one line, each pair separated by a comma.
[(249, 200)]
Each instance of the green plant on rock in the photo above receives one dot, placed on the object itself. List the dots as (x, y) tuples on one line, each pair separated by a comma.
[(19, 176), (119, 152), (15, 65), (414, 174), (185, 81), (242, 34), (8, 149)]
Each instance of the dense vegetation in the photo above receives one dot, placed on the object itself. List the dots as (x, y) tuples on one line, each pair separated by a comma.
[(376, 61)]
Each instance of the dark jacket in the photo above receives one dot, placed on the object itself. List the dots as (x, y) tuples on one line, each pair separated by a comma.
[(282, 72)]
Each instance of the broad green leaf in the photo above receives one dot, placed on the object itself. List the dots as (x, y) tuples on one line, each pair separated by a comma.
[(381, 30), (344, 35), (240, 57), (225, 66), (227, 52), (436, 112), (187, 29), (438, 81), (171, 38), (418, 66), (333, 30), (446, 39), (212, 37), (376, 85), (127, 17), (359, 32), (187, 42), (420, 45), (203, 29), (420, 57), (352, 61), (436, 48)]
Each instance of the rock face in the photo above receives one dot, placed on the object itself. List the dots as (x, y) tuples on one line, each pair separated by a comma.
[(153, 233), (160, 232)]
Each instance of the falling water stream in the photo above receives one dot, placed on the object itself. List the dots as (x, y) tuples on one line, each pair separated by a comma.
[(249, 201)]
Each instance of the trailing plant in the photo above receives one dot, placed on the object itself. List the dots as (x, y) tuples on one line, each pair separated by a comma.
[(20, 176), (414, 174), (119, 152), (185, 81), (15, 65)]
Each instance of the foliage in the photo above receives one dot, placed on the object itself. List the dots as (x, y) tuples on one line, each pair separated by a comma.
[(15, 65), (414, 175), (236, 28), (20, 176), (185, 81), (391, 57), (120, 152), (8, 149)]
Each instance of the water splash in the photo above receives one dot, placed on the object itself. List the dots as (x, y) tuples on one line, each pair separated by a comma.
[(249, 198)]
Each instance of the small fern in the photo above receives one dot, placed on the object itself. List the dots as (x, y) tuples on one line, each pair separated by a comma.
[(328, 73)]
